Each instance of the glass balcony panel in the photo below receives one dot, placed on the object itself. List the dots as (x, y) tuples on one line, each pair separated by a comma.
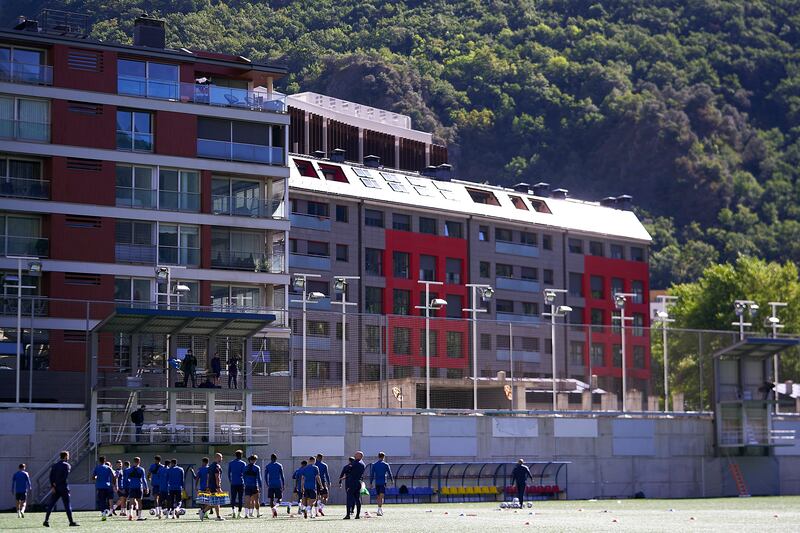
[(23, 130), (27, 246), (25, 188), (135, 253), (23, 72)]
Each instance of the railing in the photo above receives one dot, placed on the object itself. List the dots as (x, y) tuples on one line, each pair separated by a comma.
[(136, 198), (162, 200), (135, 253), (25, 188), (179, 201), (26, 246), (24, 130), (231, 151), (205, 94), (35, 305), (176, 255), (135, 142), (182, 434), (315, 222), (79, 447), (245, 207), (259, 262), (30, 73)]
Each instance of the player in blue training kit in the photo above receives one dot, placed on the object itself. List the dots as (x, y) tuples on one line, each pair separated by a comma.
[(298, 488), (163, 490), (322, 492), (103, 477), (136, 482), (122, 487), (236, 478), (59, 487), (273, 473), (214, 482), (21, 486), (175, 476), (252, 488), (309, 481), (379, 473), (201, 480), (155, 484)]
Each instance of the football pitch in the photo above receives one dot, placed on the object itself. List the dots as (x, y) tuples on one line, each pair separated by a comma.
[(728, 514)]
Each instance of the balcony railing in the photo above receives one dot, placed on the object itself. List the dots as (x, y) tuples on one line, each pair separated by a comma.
[(135, 253), (175, 255), (502, 316), (315, 222), (257, 262), (25, 188), (516, 284), (136, 198), (179, 201), (206, 94), (30, 73), (231, 151), (513, 248), (245, 207), (26, 246), (24, 130), (162, 200), (30, 305)]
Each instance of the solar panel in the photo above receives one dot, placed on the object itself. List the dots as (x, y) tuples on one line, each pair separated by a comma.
[(371, 183)]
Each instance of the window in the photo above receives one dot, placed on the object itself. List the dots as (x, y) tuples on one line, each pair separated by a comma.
[(482, 197), (401, 222), (530, 308), (132, 290), (527, 238), (453, 229), (502, 234), (504, 271), (503, 342), (234, 140), (547, 276), (318, 248), (293, 246), (576, 284), (401, 342), (527, 344), (317, 209), (486, 341), (576, 349), (598, 355), (639, 357), (238, 197), (428, 226), (422, 303), (616, 321), (188, 298), (529, 273), (373, 218), (637, 288), (373, 261), (373, 300), (547, 242), (518, 202), (596, 287), (596, 248), (315, 285), (616, 356), (342, 253), (575, 246), (242, 250), (145, 78), (576, 317), (235, 296), (348, 331), (24, 65), (455, 373), (178, 244), (134, 242), (372, 338), (617, 251), (483, 233), (597, 317), (22, 178), (135, 187), (455, 344), (402, 371), (504, 306), (134, 131), (455, 305), (637, 254), (485, 269), (342, 213), (453, 271), (638, 325), (401, 302), (178, 190), (24, 119), (617, 286), (401, 265), (434, 337), (427, 268)]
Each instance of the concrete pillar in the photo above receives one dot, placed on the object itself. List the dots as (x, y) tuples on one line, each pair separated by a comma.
[(248, 415), (677, 402), (520, 401), (427, 154), (211, 400), (586, 400), (173, 409), (306, 138), (609, 402), (360, 145), (562, 401), (325, 136), (634, 400), (653, 403), (396, 152), (269, 87)]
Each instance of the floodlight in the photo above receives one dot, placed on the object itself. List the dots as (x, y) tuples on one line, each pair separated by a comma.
[(661, 315), (564, 309), (314, 296), (619, 301), (549, 296), (162, 273), (35, 267), (339, 284), (487, 293), (299, 283), (438, 303), (182, 288), (773, 320)]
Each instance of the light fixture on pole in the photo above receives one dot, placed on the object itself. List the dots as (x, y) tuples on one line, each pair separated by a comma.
[(662, 316), (430, 305), (550, 297), (340, 285), (486, 292), (620, 299), (774, 322), (300, 282), (34, 266), (742, 307)]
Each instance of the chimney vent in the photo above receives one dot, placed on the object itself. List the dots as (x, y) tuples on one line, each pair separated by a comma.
[(625, 201), (319, 154), (444, 171), (372, 161), (541, 189), (608, 201), (559, 193), (522, 187), (150, 32), (337, 155), (429, 171)]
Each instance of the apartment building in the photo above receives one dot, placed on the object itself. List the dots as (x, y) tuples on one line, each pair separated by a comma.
[(119, 161)]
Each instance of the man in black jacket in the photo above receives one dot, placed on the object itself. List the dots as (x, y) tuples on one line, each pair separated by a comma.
[(521, 474), (59, 487), (137, 417), (353, 485)]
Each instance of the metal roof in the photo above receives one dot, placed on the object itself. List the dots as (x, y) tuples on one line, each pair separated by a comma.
[(756, 347), (187, 322)]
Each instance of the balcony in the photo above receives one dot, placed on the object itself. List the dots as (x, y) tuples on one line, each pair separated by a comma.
[(231, 151), (136, 198), (256, 262), (514, 317), (175, 255), (313, 262), (513, 248), (515, 284), (179, 201), (25, 188), (29, 73), (312, 342), (23, 130), (246, 207), (318, 223), (519, 355), (204, 94), (31, 305), (135, 253), (26, 246)]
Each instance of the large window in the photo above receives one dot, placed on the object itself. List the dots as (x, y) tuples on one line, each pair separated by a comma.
[(528, 238), (504, 306), (617, 286), (401, 342), (617, 251), (372, 338), (233, 196), (24, 65), (401, 222), (235, 296), (373, 300), (135, 186), (373, 261), (24, 119), (455, 344), (134, 242), (485, 269), (503, 234), (243, 250), (178, 190), (188, 298), (639, 357), (427, 225), (134, 130), (132, 290), (596, 286), (637, 288), (434, 343), (401, 265), (453, 271), (575, 246), (576, 349), (596, 248), (598, 355), (149, 79), (427, 268), (240, 141), (179, 244), (455, 304), (373, 218), (529, 273), (502, 270), (637, 254), (453, 229), (22, 178), (318, 248), (21, 236), (576, 284), (401, 302)]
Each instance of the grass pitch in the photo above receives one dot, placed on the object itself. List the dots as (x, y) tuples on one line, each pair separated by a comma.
[(726, 514)]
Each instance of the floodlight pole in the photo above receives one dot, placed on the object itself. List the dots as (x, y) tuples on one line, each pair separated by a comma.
[(740, 307), (620, 299), (343, 280), (665, 301), (19, 288), (305, 301), (775, 324), (427, 307), (474, 288), (550, 296)]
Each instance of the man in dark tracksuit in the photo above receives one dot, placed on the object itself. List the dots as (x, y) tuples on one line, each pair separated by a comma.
[(59, 483), (521, 474), (353, 485)]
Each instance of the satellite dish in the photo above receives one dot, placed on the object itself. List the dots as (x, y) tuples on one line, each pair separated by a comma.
[(398, 393), (509, 392)]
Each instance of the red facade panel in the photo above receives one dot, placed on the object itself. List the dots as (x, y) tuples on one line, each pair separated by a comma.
[(84, 69), (81, 124), (70, 290), (85, 181), (80, 238), (176, 134)]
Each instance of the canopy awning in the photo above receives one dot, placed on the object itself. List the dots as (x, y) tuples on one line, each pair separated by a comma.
[(756, 347), (129, 321)]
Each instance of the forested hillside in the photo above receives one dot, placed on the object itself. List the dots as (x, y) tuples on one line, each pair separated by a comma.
[(691, 106)]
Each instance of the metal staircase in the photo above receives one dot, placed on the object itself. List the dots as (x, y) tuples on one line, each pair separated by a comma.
[(78, 446), (129, 405)]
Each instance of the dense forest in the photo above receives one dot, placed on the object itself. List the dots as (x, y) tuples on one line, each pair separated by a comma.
[(691, 106)]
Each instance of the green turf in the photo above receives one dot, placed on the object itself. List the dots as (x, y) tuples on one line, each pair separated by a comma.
[(732, 514)]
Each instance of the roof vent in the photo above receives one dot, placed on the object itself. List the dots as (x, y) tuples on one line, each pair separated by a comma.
[(319, 154), (337, 155), (522, 187), (149, 31), (444, 171), (372, 161), (541, 189), (625, 201), (24, 24), (559, 193), (608, 201), (429, 171)]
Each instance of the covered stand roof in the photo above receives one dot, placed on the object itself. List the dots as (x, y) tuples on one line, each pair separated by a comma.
[(756, 347), (180, 321)]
